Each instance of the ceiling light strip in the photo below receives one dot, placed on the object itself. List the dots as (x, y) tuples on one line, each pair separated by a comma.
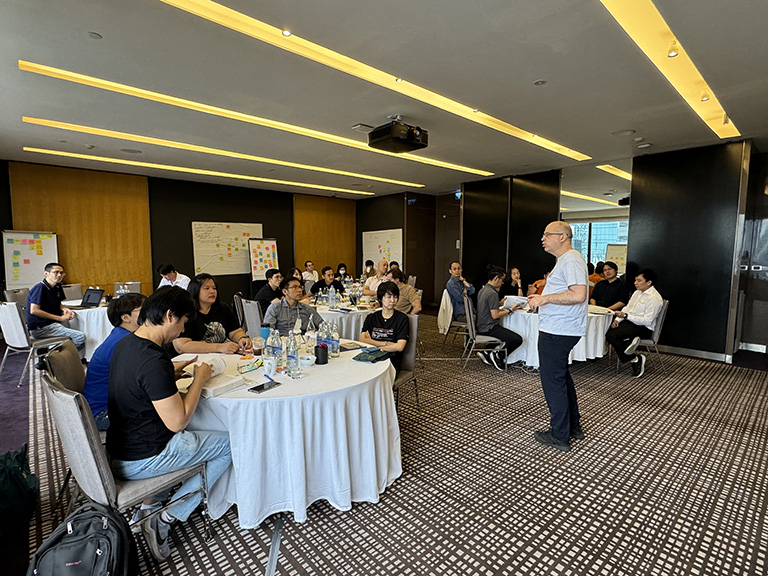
[(231, 114), (204, 149), (615, 171), (193, 171), (248, 26), (647, 28), (583, 197)]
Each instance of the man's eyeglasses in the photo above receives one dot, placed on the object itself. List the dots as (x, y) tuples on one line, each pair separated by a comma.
[(548, 234), (58, 272)]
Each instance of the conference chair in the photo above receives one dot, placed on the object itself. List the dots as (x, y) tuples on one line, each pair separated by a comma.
[(473, 338), (73, 291), (412, 281), (253, 316), (125, 287), (308, 286), (88, 460), (18, 295), (651, 342), (408, 364), (460, 328), (17, 337), (237, 300)]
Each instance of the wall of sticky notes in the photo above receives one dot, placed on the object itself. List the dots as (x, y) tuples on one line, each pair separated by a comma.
[(26, 254), (263, 253), (222, 247), (383, 244)]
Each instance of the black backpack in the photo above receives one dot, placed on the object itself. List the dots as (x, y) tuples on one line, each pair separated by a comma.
[(92, 540)]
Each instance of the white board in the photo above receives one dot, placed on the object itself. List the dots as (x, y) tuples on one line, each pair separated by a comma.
[(221, 248), (263, 253), (383, 244), (26, 254), (617, 253)]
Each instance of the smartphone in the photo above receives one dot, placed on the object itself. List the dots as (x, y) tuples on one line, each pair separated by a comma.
[(259, 388)]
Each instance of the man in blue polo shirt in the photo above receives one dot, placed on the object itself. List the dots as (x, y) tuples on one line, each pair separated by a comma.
[(44, 310)]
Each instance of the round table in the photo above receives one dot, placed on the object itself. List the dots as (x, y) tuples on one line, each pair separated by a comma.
[(332, 435), (350, 324), (93, 322)]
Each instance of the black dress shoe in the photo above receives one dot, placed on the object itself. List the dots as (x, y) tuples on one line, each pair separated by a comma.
[(545, 437), (577, 433)]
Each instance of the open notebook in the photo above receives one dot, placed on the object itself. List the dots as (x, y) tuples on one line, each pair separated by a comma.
[(219, 384)]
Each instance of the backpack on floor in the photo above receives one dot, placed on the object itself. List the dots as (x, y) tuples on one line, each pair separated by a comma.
[(91, 540)]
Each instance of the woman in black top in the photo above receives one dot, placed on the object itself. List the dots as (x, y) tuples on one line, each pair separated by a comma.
[(387, 328), (215, 327), (512, 287)]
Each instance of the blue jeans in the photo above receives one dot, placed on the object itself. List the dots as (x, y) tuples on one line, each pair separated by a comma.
[(557, 383), (102, 420), (56, 329), (184, 449)]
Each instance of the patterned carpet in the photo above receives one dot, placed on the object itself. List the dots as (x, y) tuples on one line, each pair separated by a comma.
[(670, 480)]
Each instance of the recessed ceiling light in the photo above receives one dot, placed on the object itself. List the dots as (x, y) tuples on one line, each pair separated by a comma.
[(95, 36), (623, 133), (286, 33), (398, 79), (130, 150), (607, 193), (364, 128), (187, 170), (62, 141), (673, 50), (638, 139), (590, 198), (645, 145), (705, 95), (205, 150), (259, 30), (89, 146), (539, 82), (233, 115)]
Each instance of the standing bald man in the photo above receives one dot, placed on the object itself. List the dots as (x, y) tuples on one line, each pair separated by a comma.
[(562, 307)]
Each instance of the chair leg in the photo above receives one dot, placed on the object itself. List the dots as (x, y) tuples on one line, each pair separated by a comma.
[(207, 529), (658, 357), (63, 489), (2, 364), (274, 547), (471, 345), (26, 364)]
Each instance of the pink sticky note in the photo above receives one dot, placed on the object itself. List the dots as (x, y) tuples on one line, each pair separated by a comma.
[(26, 260)]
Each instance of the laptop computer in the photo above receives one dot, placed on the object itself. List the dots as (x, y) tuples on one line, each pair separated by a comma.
[(91, 299)]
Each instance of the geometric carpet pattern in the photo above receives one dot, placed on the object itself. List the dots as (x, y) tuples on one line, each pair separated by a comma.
[(671, 479)]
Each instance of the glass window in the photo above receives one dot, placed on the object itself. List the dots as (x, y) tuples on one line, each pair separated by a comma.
[(581, 238), (604, 233)]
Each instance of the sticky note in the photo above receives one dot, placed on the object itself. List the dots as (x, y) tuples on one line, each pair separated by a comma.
[(17, 252), (26, 260), (16, 241), (25, 240), (228, 226), (9, 240), (35, 235), (16, 264), (221, 258), (39, 252), (15, 259)]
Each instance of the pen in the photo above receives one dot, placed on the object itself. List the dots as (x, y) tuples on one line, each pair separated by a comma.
[(268, 377)]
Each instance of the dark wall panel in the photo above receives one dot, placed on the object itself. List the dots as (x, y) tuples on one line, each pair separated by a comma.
[(420, 242), (682, 223), (382, 213), (175, 204), (6, 218), (485, 206), (447, 233), (535, 202)]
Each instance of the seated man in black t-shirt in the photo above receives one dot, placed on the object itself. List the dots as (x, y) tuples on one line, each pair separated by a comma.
[(270, 292), (325, 283), (387, 328), (148, 416), (610, 293)]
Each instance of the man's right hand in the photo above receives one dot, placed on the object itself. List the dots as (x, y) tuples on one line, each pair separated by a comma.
[(228, 347), (67, 315), (203, 372)]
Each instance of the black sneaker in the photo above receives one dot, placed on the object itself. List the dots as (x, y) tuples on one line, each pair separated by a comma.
[(545, 437), (484, 357), (577, 433), (498, 360), (632, 346), (640, 370), (156, 533)]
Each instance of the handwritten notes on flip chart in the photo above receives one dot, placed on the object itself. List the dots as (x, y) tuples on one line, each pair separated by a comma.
[(263, 253), (221, 248), (383, 244), (26, 254)]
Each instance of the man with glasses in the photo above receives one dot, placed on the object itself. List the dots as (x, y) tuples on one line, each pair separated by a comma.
[(44, 310), (562, 308), (283, 314)]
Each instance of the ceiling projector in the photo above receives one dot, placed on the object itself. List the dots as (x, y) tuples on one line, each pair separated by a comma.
[(397, 137)]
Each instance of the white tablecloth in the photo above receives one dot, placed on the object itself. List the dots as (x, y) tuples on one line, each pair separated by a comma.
[(350, 323), (332, 435), (527, 325), (95, 324)]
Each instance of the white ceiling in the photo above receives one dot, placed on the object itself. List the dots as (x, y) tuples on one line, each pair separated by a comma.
[(484, 54)]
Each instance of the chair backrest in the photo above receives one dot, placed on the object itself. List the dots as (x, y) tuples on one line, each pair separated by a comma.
[(125, 287), (73, 291), (253, 316), (470, 318), (412, 281), (81, 441), (419, 293), (308, 286), (14, 326), (19, 295), (237, 300), (408, 361), (660, 322), (63, 362)]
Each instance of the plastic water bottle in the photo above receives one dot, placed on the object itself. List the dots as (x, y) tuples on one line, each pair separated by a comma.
[(322, 334), (332, 298), (334, 347), (274, 347), (292, 357)]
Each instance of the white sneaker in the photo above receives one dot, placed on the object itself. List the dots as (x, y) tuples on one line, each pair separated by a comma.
[(632, 346)]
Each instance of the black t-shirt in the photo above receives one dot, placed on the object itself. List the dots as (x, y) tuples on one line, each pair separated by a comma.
[(388, 330), (321, 285), (606, 293), (265, 296), (140, 372), (507, 290), (213, 327)]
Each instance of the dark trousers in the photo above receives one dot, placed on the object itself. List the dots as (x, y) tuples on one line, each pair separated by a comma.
[(512, 340), (557, 383), (623, 334)]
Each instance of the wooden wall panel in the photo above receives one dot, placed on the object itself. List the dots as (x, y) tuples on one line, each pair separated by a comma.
[(324, 231), (101, 218)]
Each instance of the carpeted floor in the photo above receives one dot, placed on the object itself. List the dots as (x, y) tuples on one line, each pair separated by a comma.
[(670, 480)]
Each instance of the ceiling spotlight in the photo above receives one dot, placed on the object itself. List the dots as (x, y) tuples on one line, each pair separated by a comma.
[(475, 110), (607, 193), (638, 139), (539, 82), (89, 146), (726, 120), (95, 36), (674, 49), (130, 150), (623, 133), (286, 33), (644, 145), (705, 95), (398, 79)]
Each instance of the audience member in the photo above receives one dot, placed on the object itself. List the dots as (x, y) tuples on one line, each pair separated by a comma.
[(270, 292), (310, 273), (44, 310), (610, 293), (488, 316), (635, 321), (408, 302), (294, 272), (513, 287), (214, 328), (283, 314), (387, 328), (148, 416), (341, 273), (394, 265), (369, 270), (457, 286), (171, 277), (123, 314), (538, 286), (372, 284), (325, 283)]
